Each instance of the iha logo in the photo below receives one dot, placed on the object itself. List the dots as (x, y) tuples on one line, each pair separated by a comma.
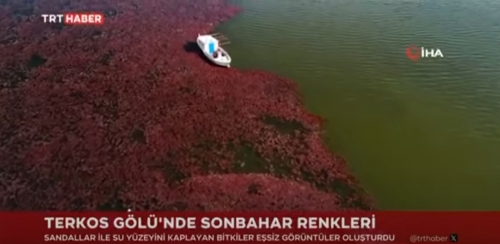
[(74, 18), (415, 53)]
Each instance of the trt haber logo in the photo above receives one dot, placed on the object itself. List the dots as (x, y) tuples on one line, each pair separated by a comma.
[(74, 18), (415, 53)]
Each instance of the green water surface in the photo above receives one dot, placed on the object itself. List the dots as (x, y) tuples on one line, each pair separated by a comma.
[(419, 135)]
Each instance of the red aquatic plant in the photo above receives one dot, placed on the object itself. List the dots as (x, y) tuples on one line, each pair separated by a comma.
[(241, 192), (118, 115)]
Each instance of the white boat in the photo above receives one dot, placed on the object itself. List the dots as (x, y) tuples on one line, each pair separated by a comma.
[(210, 47)]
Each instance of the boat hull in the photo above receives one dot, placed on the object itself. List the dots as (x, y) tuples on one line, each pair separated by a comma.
[(221, 60)]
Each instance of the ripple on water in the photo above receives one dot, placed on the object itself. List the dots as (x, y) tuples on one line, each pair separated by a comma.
[(349, 56)]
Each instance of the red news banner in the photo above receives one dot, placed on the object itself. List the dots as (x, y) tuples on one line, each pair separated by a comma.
[(231, 227)]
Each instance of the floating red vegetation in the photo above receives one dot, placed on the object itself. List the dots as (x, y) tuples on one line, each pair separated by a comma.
[(117, 116), (236, 192)]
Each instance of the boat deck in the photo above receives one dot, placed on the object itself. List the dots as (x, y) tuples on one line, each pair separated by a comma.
[(223, 40)]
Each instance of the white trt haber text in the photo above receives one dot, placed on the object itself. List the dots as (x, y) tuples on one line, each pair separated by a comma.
[(74, 18)]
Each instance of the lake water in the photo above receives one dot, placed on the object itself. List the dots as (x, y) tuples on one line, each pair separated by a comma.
[(419, 135)]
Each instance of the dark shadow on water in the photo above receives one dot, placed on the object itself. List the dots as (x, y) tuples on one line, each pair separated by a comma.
[(192, 47)]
